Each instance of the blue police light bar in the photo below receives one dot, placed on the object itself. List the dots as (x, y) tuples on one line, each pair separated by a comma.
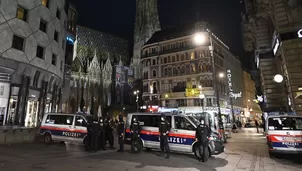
[(70, 40)]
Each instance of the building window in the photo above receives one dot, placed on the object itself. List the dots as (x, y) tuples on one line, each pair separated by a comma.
[(193, 68), (63, 44), (54, 60), (22, 13), (165, 60), (153, 62), (40, 52), (192, 55), (45, 3), (18, 43), (56, 36), (154, 73), (209, 102), (43, 25), (58, 14), (61, 66)]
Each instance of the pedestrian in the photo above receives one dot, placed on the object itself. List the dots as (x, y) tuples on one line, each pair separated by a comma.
[(102, 136), (120, 133), (94, 134), (257, 126), (89, 134), (135, 131), (109, 131), (164, 133), (201, 136)]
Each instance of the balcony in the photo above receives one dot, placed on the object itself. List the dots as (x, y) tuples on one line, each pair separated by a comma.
[(169, 51)]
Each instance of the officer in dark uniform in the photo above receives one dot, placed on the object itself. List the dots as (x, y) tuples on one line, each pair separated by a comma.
[(95, 131), (164, 131), (109, 130), (89, 133), (135, 131), (102, 136), (120, 133), (201, 136)]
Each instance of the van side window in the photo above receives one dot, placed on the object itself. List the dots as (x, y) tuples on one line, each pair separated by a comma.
[(59, 119), (183, 123), (151, 120), (80, 121)]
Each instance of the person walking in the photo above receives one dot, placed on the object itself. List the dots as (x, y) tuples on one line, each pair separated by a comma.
[(109, 130), (120, 133), (201, 137), (164, 129), (257, 126), (102, 136), (135, 131)]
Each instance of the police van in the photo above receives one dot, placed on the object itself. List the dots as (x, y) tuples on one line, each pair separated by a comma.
[(181, 136), (64, 128)]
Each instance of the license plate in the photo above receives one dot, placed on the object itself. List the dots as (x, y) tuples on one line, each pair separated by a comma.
[(290, 144), (289, 138)]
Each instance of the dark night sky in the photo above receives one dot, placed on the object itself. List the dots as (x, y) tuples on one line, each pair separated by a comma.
[(117, 17)]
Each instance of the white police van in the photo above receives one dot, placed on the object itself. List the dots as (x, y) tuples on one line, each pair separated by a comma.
[(181, 136), (63, 128)]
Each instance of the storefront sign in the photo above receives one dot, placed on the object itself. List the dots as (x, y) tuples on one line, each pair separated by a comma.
[(260, 98), (276, 46), (4, 90), (230, 84), (229, 76)]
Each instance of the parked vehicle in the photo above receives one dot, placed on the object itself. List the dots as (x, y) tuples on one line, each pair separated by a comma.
[(284, 134), (63, 127), (181, 136)]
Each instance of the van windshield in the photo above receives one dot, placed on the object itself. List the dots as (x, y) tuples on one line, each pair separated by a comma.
[(285, 123), (194, 120)]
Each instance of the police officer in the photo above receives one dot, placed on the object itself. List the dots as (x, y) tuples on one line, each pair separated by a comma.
[(201, 136), (94, 134), (89, 133), (109, 130), (102, 134), (135, 131), (120, 133), (164, 131)]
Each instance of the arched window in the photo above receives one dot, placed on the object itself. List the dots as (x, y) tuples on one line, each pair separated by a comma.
[(200, 67), (175, 71), (188, 69), (154, 73), (178, 70), (183, 70), (169, 71), (193, 68), (165, 72)]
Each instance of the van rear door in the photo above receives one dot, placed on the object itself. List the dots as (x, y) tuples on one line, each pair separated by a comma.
[(284, 134)]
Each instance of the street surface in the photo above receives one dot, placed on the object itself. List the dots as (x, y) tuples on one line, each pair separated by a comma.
[(245, 151)]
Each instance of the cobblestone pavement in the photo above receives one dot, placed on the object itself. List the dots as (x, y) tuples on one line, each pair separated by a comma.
[(245, 151)]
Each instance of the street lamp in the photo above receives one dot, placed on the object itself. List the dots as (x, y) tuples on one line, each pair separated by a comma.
[(200, 39), (136, 93), (278, 78)]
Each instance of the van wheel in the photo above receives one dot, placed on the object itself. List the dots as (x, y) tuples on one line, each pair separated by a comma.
[(210, 153), (148, 149), (196, 151), (47, 138)]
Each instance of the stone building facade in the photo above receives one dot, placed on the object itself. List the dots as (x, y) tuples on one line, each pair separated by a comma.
[(271, 30), (176, 71), (252, 110), (32, 50), (146, 24), (93, 70)]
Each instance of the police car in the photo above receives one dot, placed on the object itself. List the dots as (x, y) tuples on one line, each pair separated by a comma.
[(181, 136), (64, 128)]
